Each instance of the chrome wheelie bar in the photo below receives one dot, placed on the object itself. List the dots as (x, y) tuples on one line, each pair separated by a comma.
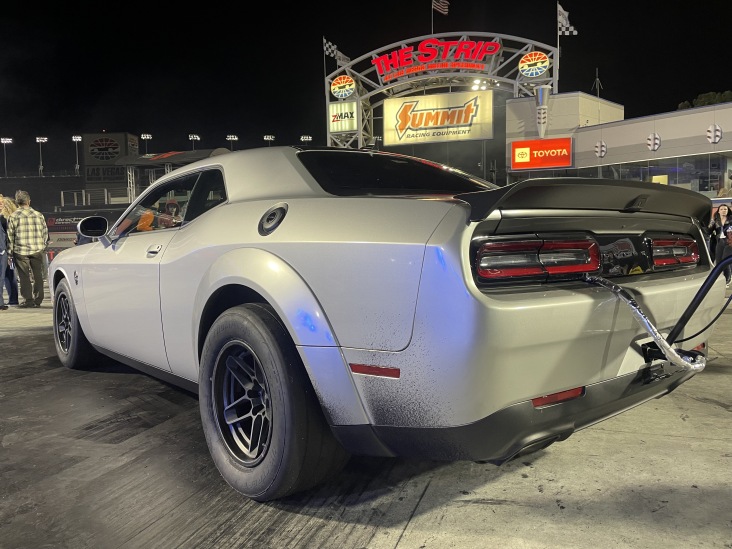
[(690, 361)]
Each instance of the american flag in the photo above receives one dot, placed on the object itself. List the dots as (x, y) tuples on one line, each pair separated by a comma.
[(441, 5), (563, 26)]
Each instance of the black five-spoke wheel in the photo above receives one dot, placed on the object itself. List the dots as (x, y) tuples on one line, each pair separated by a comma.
[(242, 403), (263, 423), (73, 349), (62, 320)]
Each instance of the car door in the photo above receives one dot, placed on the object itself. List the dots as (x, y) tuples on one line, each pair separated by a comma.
[(121, 281)]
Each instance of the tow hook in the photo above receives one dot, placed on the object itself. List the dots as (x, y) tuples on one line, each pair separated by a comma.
[(660, 348)]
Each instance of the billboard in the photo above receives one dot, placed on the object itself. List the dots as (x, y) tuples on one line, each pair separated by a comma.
[(464, 116), (540, 154), (343, 116), (100, 153)]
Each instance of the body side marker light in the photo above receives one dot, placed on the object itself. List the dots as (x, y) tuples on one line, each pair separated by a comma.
[(555, 398), (379, 371)]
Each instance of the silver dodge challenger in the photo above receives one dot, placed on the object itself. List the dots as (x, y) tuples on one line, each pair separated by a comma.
[(329, 302)]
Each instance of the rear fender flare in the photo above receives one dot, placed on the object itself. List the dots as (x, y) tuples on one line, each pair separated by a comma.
[(280, 285), (303, 318)]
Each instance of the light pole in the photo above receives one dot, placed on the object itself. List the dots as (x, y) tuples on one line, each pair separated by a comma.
[(269, 138), (6, 141), (231, 138), (306, 139), (76, 139), (378, 139), (40, 141), (146, 137), (194, 137)]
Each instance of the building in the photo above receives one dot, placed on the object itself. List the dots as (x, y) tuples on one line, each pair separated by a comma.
[(689, 148)]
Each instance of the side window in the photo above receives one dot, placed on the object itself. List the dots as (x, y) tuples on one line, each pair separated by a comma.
[(161, 208), (208, 192)]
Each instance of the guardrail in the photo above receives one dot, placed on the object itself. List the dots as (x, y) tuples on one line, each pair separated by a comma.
[(93, 197)]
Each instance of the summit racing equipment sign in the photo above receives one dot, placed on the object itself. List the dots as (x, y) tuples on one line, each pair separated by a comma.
[(539, 154), (437, 118)]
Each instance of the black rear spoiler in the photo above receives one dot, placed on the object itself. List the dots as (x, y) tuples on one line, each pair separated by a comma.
[(590, 194)]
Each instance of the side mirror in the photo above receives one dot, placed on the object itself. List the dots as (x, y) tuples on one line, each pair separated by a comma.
[(91, 229)]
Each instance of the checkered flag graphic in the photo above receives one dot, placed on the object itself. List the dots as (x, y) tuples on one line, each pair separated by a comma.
[(564, 28), (329, 48)]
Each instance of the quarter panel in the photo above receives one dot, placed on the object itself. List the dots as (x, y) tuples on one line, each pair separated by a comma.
[(191, 273), (475, 353)]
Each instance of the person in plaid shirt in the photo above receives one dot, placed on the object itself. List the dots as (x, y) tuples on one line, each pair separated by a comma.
[(27, 240)]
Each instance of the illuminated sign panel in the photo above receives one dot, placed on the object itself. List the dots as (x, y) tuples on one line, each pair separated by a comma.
[(433, 54), (437, 118), (342, 116), (539, 154), (533, 64), (343, 86)]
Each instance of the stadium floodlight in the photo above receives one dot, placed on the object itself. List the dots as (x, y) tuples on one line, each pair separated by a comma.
[(194, 137), (40, 141), (6, 141), (76, 139), (306, 139), (146, 137), (231, 138), (269, 138)]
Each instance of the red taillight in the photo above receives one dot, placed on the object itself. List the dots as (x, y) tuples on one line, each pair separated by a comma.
[(532, 258), (555, 398), (670, 252)]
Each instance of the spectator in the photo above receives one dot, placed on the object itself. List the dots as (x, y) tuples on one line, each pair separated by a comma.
[(10, 281), (28, 238), (720, 224), (3, 258)]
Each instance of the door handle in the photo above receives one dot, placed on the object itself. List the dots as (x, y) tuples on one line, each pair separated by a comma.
[(153, 250)]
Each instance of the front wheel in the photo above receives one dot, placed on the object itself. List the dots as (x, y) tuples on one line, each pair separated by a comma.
[(73, 349), (263, 423)]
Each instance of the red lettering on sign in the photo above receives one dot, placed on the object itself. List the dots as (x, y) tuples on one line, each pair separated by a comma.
[(433, 49)]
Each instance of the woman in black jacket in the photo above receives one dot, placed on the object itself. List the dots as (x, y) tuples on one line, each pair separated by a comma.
[(721, 222)]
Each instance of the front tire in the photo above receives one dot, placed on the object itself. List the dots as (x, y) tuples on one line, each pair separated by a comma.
[(72, 347), (263, 423)]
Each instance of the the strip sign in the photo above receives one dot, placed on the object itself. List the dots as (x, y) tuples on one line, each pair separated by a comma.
[(433, 54)]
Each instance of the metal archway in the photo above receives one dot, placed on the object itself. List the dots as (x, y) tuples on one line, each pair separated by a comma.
[(454, 60)]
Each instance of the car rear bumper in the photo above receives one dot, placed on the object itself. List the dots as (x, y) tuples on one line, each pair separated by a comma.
[(517, 429)]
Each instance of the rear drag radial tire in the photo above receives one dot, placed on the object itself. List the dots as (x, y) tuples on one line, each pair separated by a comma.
[(263, 424), (72, 347)]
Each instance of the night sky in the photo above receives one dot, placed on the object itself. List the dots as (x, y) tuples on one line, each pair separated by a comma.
[(130, 68)]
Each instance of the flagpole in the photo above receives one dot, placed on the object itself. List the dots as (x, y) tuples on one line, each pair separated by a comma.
[(325, 85), (563, 27), (559, 51), (556, 63)]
